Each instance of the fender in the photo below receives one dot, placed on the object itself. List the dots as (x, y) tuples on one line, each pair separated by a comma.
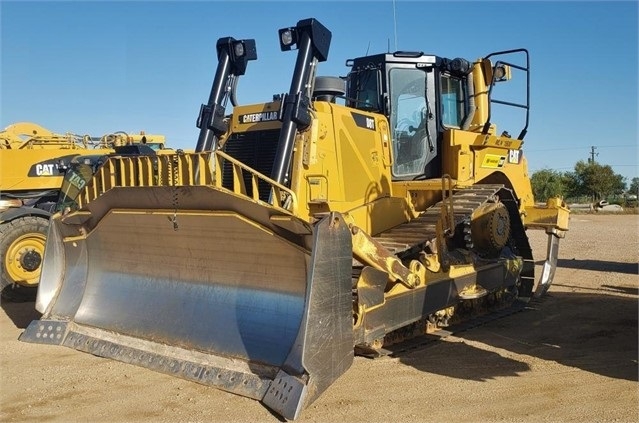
[(17, 212)]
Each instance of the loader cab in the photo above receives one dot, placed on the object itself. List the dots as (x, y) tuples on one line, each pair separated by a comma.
[(421, 96)]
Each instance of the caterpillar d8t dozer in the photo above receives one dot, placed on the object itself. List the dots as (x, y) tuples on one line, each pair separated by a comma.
[(341, 217)]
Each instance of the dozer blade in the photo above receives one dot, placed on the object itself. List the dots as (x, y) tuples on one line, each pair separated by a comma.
[(227, 299)]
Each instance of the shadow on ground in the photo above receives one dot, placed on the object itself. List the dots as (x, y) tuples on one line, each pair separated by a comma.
[(19, 306), (599, 265), (593, 332)]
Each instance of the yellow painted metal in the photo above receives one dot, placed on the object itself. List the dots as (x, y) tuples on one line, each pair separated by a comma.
[(30, 243), (322, 181), (482, 75), (459, 270), (554, 215), (447, 211), (284, 198), (29, 153), (370, 252), (31, 135), (254, 117), (473, 158)]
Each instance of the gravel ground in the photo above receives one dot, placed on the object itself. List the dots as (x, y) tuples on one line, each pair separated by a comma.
[(569, 358)]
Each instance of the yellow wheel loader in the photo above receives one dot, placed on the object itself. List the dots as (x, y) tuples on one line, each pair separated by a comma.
[(32, 164), (339, 218)]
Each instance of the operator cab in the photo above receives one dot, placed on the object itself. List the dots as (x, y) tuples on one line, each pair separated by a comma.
[(421, 95)]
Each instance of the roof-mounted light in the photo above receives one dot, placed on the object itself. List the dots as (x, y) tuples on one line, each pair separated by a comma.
[(501, 73), (238, 48), (288, 38)]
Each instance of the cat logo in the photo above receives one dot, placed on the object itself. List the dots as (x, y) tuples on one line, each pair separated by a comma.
[(44, 169), (514, 156), (51, 167)]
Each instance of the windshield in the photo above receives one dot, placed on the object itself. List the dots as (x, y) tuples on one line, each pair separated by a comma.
[(75, 179)]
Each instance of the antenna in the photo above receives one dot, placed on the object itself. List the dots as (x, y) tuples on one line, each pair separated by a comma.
[(395, 24), (368, 48)]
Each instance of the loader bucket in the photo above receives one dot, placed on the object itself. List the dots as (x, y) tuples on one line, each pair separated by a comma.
[(218, 295)]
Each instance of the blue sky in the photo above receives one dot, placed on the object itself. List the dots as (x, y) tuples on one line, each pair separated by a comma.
[(94, 67)]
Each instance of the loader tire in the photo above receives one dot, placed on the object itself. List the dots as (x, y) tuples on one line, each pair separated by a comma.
[(22, 244)]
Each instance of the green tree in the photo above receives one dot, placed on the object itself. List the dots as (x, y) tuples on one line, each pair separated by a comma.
[(547, 183), (594, 180)]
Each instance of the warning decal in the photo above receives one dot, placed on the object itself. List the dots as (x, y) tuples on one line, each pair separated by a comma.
[(493, 161)]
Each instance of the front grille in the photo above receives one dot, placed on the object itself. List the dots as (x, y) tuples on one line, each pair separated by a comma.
[(255, 149)]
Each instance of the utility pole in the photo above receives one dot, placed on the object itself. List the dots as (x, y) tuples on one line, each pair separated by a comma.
[(591, 160), (592, 154)]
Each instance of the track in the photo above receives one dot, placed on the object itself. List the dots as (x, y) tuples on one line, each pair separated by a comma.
[(407, 240), (419, 342), (411, 237)]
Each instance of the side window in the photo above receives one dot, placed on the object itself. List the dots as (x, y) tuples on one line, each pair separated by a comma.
[(364, 90), (452, 100)]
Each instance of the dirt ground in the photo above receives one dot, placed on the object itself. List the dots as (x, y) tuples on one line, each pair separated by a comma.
[(570, 358)]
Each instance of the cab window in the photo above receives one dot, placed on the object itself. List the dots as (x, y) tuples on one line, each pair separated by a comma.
[(452, 101), (364, 90), (408, 120)]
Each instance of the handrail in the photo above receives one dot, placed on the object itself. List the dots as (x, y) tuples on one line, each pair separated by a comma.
[(181, 169), (283, 198)]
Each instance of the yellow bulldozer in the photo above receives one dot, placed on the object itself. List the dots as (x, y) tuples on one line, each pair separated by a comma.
[(33, 160), (342, 217)]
